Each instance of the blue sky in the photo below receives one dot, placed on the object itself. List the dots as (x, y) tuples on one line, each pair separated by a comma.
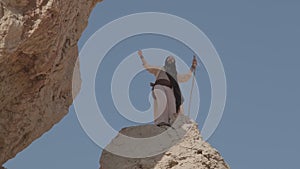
[(258, 42)]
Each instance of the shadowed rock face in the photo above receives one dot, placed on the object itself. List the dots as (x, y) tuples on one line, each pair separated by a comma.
[(38, 52), (180, 147)]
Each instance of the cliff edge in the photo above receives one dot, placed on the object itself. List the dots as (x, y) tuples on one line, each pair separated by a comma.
[(178, 147)]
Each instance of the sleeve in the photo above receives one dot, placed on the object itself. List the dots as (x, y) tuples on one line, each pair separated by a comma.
[(182, 78), (151, 69)]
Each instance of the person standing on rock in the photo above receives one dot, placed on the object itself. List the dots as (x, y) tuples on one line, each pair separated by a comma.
[(166, 92)]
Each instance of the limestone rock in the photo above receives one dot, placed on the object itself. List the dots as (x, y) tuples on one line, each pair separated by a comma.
[(38, 52), (183, 148)]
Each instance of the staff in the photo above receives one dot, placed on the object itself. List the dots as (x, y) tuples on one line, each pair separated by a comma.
[(193, 69)]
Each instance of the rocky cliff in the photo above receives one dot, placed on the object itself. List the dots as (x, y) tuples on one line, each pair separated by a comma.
[(177, 147), (38, 52)]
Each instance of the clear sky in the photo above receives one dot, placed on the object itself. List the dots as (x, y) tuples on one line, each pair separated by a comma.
[(258, 42)]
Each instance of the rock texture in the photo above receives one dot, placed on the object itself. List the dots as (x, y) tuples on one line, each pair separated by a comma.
[(186, 149), (38, 52)]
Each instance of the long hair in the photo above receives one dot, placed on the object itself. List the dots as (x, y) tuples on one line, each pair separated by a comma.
[(170, 69)]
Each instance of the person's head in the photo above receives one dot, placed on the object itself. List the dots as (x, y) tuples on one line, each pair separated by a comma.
[(170, 66), (170, 62)]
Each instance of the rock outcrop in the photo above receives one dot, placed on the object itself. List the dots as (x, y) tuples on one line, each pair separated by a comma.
[(38, 53), (176, 147)]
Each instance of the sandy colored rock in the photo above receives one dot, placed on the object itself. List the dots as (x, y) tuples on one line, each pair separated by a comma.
[(38, 52), (186, 150)]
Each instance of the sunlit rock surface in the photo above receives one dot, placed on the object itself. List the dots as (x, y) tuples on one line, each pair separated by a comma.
[(177, 147), (38, 52)]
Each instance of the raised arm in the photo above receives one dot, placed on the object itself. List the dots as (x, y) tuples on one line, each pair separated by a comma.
[(151, 69), (181, 78)]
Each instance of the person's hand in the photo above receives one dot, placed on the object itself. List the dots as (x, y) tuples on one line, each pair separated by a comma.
[(140, 53), (194, 64)]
